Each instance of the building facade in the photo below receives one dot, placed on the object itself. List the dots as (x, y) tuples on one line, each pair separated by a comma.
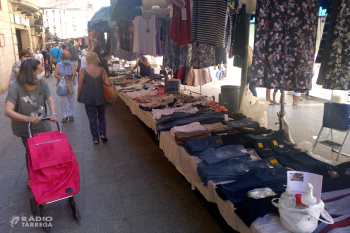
[(67, 21), (18, 30)]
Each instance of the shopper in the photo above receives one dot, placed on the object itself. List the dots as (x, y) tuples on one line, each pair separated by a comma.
[(47, 69), (145, 67), (296, 97), (90, 92), (268, 96), (84, 50), (31, 53), (64, 48), (23, 55), (249, 71), (38, 56), (55, 55), (26, 99), (73, 52), (104, 61), (44, 53), (67, 70)]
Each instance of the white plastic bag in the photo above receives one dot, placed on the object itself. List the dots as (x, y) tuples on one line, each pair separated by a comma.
[(302, 220), (254, 107), (62, 88)]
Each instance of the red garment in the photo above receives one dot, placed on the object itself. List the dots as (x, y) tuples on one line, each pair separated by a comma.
[(180, 30), (79, 42), (216, 106), (180, 72)]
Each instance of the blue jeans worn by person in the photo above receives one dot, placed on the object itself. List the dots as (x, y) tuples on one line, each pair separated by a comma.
[(96, 115), (212, 156), (255, 178), (231, 169), (194, 148)]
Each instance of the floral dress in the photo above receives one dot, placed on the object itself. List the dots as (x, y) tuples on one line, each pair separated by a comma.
[(285, 38), (15, 71), (337, 75)]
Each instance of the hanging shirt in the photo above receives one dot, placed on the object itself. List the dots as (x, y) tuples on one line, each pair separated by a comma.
[(208, 22), (144, 37), (180, 29)]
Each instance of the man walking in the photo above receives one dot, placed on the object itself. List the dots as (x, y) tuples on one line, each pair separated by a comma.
[(55, 55), (73, 50)]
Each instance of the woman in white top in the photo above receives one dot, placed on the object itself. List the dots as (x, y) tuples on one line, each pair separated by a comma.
[(38, 56)]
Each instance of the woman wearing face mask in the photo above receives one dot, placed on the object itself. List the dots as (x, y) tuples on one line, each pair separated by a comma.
[(67, 70), (23, 55), (38, 56), (26, 100)]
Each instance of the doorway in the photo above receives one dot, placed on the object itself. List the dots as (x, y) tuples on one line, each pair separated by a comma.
[(19, 40)]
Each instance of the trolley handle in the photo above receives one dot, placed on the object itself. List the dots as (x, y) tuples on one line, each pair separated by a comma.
[(43, 119)]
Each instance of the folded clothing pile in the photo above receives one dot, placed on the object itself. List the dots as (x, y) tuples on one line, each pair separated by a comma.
[(194, 148), (246, 122), (157, 113), (182, 137), (163, 103), (218, 128)]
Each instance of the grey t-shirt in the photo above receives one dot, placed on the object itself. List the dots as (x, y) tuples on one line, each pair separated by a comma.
[(29, 102)]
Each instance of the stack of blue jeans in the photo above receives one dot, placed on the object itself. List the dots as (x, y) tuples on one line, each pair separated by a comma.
[(212, 156), (165, 123), (256, 178), (276, 135), (232, 169), (246, 122), (194, 148)]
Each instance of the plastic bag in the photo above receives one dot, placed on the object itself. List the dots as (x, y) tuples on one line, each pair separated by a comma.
[(302, 220), (261, 193), (62, 88), (254, 107)]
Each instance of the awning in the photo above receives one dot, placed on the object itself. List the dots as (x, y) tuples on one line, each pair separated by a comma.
[(102, 19), (132, 4), (51, 37)]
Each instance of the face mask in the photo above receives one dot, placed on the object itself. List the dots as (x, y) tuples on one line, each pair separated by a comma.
[(37, 52), (40, 76), (43, 50), (66, 62), (25, 58)]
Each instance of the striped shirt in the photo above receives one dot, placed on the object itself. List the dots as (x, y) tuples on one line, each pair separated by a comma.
[(208, 22)]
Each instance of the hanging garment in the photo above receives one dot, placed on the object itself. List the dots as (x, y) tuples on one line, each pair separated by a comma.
[(240, 34), (123, 26), (159, 50), (180, 29), (174, 56), (144, 37), (285, 36), (201, 56), (208, 22), (327, 38), (337, 71), (220, 56)]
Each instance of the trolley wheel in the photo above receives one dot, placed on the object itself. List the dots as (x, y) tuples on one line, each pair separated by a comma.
[(33, 206), (43, 215), (74, 207)]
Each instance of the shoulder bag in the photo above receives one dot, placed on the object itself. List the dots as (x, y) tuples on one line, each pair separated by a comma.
[(55, 60), (107, 90)]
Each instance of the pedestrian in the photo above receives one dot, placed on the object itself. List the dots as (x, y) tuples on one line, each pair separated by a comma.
[(104, 62), (296, 97), (64, 48), (83, 51), (145, 67), (26, 101), (31, 53), (55, 55), (67, 70), (47, 69), (44, 53), (308, 95), (90, 92), (249, 71), (268, 97), (38, 56), (73, 52), (24, 54)]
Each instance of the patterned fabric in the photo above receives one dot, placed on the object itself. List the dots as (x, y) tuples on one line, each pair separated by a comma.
[(97, 119), (338, 70), (73, 50), (174, 56), (15, 71), (285, 38), (202, 56), (327, 38)]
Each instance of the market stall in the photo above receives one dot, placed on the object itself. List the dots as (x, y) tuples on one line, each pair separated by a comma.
[(213, 149)]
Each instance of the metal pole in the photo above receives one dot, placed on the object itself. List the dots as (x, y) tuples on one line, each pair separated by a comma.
[(245, 60), (281, 113)]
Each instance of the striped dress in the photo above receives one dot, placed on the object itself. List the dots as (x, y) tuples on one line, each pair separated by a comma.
[(208, 22)]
